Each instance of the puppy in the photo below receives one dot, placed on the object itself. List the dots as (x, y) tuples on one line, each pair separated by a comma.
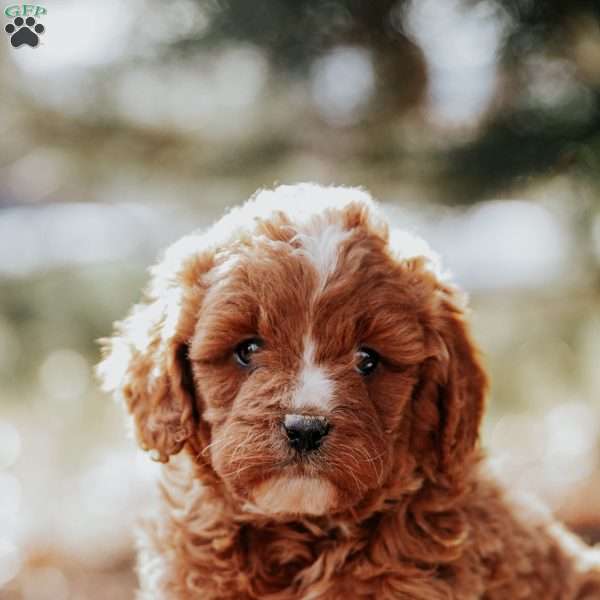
[(310, 383)]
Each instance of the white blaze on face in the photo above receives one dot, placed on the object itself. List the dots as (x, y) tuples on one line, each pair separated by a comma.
[(321, 245), (296, 495), (314, 389)]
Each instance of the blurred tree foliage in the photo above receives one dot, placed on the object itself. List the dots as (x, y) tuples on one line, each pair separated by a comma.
[(519, 141), (544, 117), (516, 140), (295, 34)]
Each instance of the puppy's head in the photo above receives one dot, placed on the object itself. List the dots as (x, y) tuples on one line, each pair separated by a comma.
[(311, 361)]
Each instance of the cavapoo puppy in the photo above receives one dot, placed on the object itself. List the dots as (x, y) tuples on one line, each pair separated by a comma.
[(309, 380)]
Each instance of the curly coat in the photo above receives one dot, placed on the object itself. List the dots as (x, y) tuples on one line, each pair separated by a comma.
[(396, 504)]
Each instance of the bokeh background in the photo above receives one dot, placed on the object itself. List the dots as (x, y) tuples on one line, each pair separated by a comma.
[(475, 122)]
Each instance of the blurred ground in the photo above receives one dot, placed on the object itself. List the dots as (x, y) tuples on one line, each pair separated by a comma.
[(476, 123)]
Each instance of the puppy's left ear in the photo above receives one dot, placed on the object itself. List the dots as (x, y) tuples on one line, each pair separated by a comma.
[(451, 397), (462, 397), (145, 363)]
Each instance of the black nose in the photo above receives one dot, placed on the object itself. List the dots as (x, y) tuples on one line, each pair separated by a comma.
[(305, 432)]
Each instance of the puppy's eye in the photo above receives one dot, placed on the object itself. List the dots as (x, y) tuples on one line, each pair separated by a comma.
[(244, 351), (366, 360)]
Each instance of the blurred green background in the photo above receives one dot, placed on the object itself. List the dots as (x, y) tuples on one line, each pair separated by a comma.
[(475, 123)]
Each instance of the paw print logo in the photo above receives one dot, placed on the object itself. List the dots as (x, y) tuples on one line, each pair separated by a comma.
[(24, 32)]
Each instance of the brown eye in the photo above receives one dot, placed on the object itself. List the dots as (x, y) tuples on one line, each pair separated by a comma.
[(244, 351), (366, 361)]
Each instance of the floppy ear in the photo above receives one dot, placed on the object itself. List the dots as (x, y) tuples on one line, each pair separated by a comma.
[(145, 363), (449, 401)]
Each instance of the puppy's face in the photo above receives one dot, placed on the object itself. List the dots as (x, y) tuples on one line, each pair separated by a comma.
[(305, 355), (312, 364)]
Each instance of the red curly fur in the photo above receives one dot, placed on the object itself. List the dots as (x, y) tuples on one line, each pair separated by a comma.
[(397, 503)]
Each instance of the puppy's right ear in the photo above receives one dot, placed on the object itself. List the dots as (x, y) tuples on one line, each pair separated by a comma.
[(145, 363)]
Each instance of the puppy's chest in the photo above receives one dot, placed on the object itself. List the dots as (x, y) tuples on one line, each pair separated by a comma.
[(294, 564), (281, 563), (291, 559)]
